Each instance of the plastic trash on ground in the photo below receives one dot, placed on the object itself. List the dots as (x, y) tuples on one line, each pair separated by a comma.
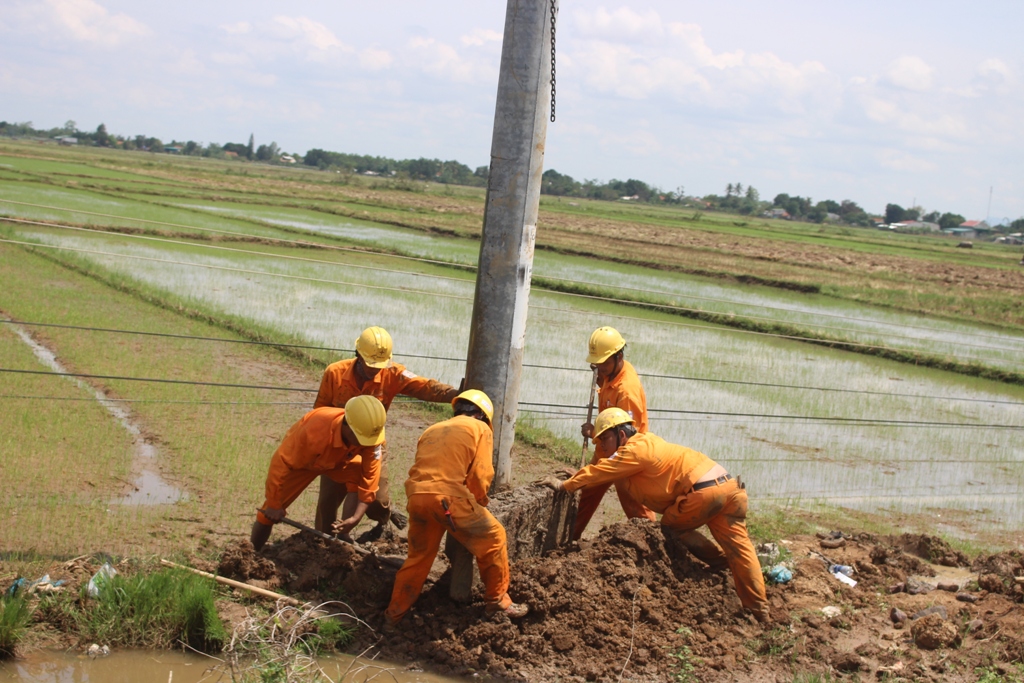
[(779, 574), (100, 579), (840, 572), (831, 611)]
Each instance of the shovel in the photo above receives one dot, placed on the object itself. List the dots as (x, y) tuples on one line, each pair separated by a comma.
[(590, 416)]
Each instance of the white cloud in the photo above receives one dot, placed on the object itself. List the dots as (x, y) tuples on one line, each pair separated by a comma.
[(313, 34), (680, 64), (899, 160), (621, 24), (92, 23), (374, 59), (443, 60), (910, 73), (238, 28), (481, 36)]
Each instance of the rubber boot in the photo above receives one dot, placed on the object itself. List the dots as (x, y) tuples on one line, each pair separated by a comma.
[(260, 534)]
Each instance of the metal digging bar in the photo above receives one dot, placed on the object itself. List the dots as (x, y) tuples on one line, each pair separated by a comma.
[(393, 561)]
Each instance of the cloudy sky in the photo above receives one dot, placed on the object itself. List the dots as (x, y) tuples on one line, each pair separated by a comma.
[(873, 101)]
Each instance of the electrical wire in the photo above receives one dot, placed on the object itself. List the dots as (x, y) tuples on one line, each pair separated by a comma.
[(525, 365), (593, 297), (853, 420), (731, 302), (844, 420), (826, 342)]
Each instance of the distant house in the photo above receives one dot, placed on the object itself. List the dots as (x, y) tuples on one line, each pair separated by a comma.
[(916, 225), (286, 159), (962, 233), (231, 155), (632, 198), (981, 228), (172, 149), (832, 217), (67, 140), (777, 213)]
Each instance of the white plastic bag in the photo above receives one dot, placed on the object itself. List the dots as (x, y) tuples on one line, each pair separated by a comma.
[(100, 579)]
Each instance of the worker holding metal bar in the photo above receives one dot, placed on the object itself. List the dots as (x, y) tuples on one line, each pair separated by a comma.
[(343, 445), (373, 373), (687, 487), (447, 490), (620, 387)]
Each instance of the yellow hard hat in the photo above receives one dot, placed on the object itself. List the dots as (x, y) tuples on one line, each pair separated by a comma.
[(366, 416), (374, 346), (611, 417), (603, 343), (479, 399)]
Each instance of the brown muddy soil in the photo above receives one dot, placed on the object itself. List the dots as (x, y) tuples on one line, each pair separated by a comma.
[(627, 605)]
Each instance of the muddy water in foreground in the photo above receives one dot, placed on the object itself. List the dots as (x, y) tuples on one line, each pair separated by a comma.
[(159, 666)]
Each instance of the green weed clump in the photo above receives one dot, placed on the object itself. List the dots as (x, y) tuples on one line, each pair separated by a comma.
[(14, 614), (156, 610)]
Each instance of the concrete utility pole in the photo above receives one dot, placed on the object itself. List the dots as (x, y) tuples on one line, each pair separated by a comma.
[(497, 335), (496, 338)]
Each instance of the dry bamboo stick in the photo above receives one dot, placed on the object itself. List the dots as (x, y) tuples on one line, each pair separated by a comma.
[(235, 584)]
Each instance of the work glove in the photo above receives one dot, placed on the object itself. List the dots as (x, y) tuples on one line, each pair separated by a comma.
[(551, 481)]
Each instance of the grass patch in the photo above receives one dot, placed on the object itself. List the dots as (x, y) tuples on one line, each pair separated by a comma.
[(14, 616), (156, 610)]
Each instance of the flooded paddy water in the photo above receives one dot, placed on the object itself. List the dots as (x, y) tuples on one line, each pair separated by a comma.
[(147, 487), (158, 666), (800, 423)]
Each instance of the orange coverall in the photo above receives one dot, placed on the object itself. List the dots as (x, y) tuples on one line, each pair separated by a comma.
[(622, 391), (661, 475), (340, 383), (453, 466), (313, 446)]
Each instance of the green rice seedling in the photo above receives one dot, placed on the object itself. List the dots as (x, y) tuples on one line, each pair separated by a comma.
[(14, 617), (158, 610)]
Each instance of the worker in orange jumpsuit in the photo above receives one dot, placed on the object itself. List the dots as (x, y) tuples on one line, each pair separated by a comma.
[(619, 387), (342, 444), (447, 489), (373, 373), (686, 486)]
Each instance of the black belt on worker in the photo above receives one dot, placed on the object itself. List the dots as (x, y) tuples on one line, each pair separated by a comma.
[(711, 482)]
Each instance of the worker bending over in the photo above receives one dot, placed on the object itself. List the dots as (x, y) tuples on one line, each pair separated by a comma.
[(341, 444), (686, 486), (373, 373), (447, 490), (618, 387)]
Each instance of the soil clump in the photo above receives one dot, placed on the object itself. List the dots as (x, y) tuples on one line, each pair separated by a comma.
[(628, 603)]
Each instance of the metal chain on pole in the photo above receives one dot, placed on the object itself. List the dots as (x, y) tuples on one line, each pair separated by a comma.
[(554, 12)]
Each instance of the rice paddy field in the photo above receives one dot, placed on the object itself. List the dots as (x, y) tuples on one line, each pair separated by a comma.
[(866, 371)]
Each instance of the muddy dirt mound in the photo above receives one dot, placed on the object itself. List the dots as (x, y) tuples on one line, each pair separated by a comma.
[(239, 561), (1006, 564), (625, 601), (998, 573), (930, 548), (890, 557)]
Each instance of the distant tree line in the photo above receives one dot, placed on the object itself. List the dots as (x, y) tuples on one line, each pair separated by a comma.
[(739, 199), (449, 172), (101, 138)]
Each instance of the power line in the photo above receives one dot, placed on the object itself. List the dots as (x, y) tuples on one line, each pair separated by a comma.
[(473, 267), (159, 381), (853, 420), (240, 251), (405, 290), (850, 420), (61, 399), (525, 365), (831, 343), (571, 294)]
